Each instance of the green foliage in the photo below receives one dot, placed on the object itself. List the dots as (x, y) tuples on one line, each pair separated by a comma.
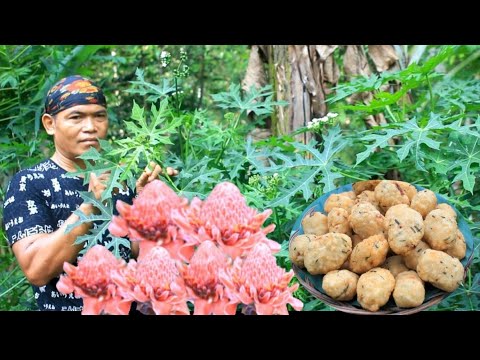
[(249, 102)]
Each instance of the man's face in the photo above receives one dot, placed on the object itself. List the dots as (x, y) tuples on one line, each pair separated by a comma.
[(77, 128)]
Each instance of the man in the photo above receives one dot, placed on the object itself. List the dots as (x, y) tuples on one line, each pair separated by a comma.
[(40, 200)]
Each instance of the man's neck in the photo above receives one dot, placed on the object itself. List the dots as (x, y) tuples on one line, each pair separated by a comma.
[(66, 163)]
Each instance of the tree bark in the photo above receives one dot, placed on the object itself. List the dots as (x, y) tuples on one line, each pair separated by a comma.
[(303, 75)]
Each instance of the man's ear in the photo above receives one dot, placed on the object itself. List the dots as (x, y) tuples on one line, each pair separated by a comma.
[(48, 123)]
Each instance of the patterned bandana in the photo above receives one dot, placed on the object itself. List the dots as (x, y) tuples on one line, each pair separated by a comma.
[(71, 91)]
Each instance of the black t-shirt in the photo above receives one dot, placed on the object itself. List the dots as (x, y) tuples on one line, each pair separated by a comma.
[(39, 200)]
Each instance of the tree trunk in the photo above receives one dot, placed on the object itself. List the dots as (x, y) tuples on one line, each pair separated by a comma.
[(300, 75), (303, 75)]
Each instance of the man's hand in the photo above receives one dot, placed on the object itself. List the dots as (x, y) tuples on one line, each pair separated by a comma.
[(97, 184), (151, 173)]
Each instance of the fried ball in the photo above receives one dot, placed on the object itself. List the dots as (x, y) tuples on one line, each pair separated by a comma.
[(411, 258), (395, 265), (361, 186), (448, 208), (327, 252), (424, 202), (297, 248), (368, 254), (374, 288), (366, 221), (407, 188), (315, 223), (349, 194), (404, 227), (338, 201), (390, 193), (459, 249), (368, 196), (356, 239), (440, 269), (440, 229), (338, 221), (346, 264), (409, 290), (340, 284)]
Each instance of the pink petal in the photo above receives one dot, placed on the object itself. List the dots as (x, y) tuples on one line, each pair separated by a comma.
[(202, 307), (118, 226), (65, 285), (91, 306)]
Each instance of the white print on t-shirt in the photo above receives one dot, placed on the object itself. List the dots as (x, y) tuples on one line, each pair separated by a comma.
[(37, 229), (10, 200), (45, 166), (72, 308), (12, 222), (56, 185), (22, 183), (32, 207), (46, 193), (38, 176), (63, 176), (69, 192), (60, 206)]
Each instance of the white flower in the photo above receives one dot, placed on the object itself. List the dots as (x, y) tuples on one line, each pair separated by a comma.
[(324, 119), (332, 115), (164, 54)]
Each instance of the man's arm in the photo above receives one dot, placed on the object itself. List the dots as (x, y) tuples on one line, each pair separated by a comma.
[(41, 256)]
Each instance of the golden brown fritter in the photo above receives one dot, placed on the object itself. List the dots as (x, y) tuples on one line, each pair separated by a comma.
[(338, 221), (404, 227), (395, 265), (374, 288), (409, 290), (356, 239), (368, 254), (366, 221), (390, 193), (340, 284), (440, 229), (440, 269), (411, 258), (369, 197), (326, 253), (315, 223), (424, 202), (459, 249), (362, 186), (349, 194), (448, 208), (338, 201), (297, 248), (407, 188)]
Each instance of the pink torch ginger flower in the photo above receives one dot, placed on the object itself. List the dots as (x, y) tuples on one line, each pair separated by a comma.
[(91, 280), (148, 219), (258, 280), (154, 280), (203, 283), (224, 218)]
